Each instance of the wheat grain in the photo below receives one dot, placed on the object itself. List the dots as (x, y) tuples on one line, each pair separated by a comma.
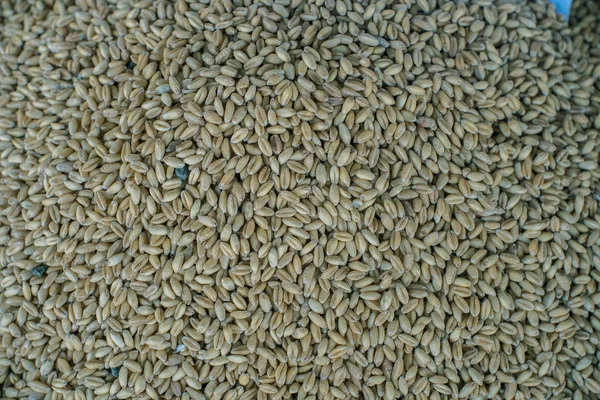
[(313, 199)]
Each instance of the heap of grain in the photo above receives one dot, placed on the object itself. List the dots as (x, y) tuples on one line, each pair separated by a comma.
[(299, 199)]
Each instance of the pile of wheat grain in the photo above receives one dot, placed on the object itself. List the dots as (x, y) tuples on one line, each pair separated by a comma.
[(299, 199)]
